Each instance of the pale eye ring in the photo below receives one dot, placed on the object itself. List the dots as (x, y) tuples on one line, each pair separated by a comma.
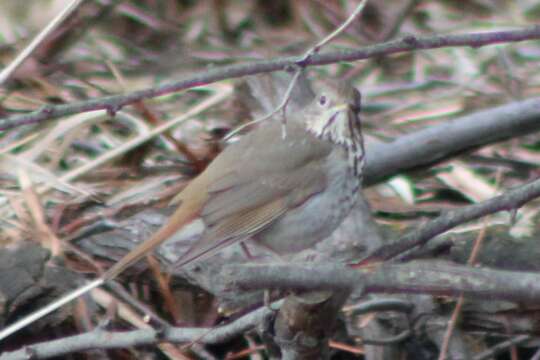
[(322, 100)]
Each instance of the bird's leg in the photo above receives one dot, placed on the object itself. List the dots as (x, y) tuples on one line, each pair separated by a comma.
[(246, 251)]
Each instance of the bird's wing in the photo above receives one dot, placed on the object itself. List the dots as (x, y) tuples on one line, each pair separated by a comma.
[(254, 182), (257, 154), (255, 157), (241, 211), (292, 187), (263, 167)]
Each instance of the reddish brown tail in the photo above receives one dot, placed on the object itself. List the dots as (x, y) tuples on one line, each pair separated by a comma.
[(181, 217)]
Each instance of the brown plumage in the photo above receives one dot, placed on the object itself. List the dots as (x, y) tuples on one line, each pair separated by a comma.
[(247, 190)]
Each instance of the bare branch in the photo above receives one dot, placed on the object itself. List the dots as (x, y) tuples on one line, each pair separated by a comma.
[(100, 338), (307, 55), (334, 34), (28, 50), (418, 277), (502, 347), (409, 43), (511, 200), (432, 144)]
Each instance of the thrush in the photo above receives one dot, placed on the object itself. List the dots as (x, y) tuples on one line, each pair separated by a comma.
[(283, 190)]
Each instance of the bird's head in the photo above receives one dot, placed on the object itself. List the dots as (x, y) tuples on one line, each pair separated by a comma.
[(334, 115)]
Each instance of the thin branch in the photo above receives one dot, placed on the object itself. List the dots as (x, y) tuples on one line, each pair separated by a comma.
[(102, 339), (281, 107), (443, 352), (461, 300), (511, 200), (334, 34), (380, 304), (502, 347), (409, 43), (28, 50), (307, 55), (143, 138)]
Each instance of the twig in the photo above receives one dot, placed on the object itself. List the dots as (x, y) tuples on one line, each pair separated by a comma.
[(402, 336), (511, 200), (114, 153), (338, 31), (347, 348), (502, 346), (127, 314), (409, 43), (450, 328), (461, 300), (309, 54), (281, 107), (121, 294), (23, 55), (99, 338), (153, 119), (299, 67), (380, 304)]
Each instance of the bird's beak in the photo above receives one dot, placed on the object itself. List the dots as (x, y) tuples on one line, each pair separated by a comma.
[(344, 107)]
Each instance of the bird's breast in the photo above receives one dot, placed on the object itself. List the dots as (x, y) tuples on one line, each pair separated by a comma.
[(315, 219)]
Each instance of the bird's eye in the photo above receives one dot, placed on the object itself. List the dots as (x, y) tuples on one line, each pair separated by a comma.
[(322, 100)]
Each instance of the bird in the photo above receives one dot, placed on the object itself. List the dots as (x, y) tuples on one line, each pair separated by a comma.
[(284, 186), (285, 193)]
